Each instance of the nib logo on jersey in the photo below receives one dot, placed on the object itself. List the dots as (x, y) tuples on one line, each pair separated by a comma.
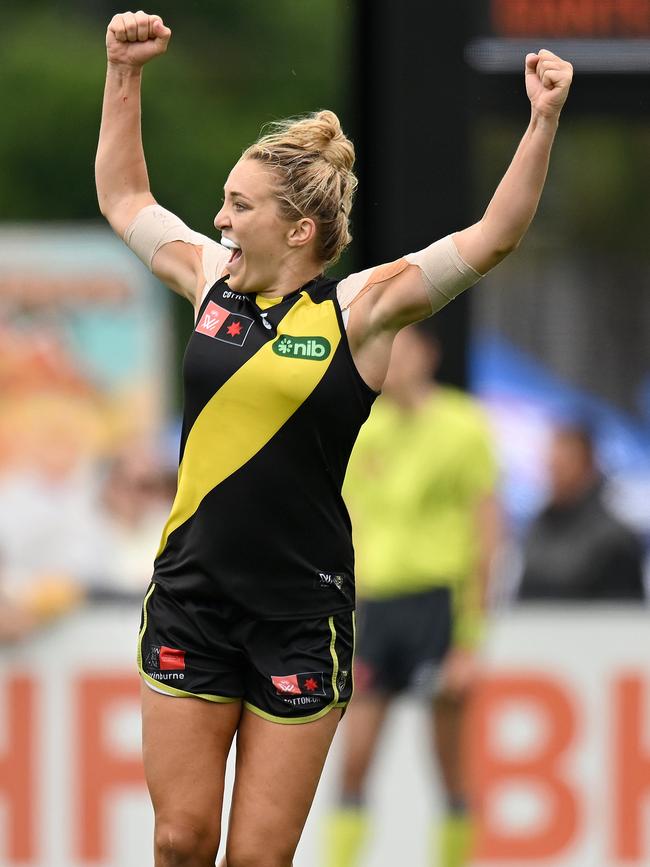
[(165, 663), (300, 689), (223, 325), (313, 348)]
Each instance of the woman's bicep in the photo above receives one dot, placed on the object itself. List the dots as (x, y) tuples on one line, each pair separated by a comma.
[(402, 299), (415, 286), (183, 259), (178, 265)]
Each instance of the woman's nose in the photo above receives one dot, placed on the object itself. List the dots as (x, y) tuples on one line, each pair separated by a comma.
[(220, 221)]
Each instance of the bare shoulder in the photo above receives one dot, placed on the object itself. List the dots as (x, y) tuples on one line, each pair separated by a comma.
[(389, 299)]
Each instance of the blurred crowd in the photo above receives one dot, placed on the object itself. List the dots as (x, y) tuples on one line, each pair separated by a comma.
[(81, 523), (77, 523)]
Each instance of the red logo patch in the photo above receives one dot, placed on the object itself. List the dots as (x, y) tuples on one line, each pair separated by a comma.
[(307, 683), (212, 319), (171, 659), (287, 685)]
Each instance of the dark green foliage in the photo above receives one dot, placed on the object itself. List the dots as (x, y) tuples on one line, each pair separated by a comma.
[(230, 68)]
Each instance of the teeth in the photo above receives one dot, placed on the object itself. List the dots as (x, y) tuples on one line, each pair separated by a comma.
[(226, 242)]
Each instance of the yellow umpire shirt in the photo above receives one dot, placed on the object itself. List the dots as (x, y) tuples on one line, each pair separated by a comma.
[(413, 486)]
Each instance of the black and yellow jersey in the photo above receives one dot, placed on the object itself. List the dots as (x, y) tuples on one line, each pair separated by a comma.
[(273, 406)]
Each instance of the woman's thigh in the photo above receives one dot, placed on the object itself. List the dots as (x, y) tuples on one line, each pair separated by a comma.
[(185, 744), (277, 773)]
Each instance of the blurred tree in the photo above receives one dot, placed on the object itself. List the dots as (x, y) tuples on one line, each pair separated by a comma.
[(596, 200), (230, 68)]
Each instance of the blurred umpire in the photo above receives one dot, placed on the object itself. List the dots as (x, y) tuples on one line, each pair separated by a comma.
[(421, 491)]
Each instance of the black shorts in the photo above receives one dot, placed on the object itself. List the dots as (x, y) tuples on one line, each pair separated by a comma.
[(288, 671), (401, 641)]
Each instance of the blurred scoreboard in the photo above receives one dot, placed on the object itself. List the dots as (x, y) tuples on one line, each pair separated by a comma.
[(607, 41)]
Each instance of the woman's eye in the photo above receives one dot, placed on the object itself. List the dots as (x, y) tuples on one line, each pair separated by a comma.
[(239, 207)]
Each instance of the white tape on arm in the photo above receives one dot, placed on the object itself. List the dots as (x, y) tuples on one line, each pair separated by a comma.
[(445, 273), (153, 227)]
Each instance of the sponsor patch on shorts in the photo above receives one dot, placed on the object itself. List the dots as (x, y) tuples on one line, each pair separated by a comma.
[(171, 659), (306, 683), (163, 658)]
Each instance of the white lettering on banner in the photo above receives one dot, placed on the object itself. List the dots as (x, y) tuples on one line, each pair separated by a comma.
[(563, 735)]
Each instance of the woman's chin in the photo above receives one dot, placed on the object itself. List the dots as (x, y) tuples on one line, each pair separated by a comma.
[(234, 281)]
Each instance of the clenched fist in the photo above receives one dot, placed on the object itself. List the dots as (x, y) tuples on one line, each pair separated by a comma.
[(548, 79), (135, 38)]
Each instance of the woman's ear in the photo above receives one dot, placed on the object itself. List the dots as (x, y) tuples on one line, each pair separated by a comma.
[(301, 232)]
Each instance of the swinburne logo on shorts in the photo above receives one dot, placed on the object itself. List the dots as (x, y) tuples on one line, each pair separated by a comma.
[(314, 348), (307, 683)]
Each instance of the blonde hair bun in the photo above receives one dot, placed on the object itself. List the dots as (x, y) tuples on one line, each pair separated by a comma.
[(321, 133), (314, 159)]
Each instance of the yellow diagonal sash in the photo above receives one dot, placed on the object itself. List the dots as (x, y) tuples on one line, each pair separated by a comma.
[(250, 408)]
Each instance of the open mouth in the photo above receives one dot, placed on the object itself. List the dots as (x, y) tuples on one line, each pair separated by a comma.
[(233, 247)]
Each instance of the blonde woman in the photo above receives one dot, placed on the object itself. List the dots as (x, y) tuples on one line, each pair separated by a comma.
[(247, 625)]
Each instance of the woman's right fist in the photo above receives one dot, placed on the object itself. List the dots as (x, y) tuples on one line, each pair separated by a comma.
[(134, 38)]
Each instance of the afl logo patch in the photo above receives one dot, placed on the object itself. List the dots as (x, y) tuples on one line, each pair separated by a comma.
[(223, 325)]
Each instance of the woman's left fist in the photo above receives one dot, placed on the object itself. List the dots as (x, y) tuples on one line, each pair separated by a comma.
[(548, 79)]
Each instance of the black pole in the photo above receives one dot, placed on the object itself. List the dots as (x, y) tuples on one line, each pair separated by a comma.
[(412, 141)]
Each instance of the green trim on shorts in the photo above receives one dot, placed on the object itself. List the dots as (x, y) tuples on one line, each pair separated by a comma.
[(181, 693), (354, 650), (321, 713), (287, 720), (161, 687)]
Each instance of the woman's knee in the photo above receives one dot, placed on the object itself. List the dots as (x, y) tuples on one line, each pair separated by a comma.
[(182, 843), (250, 854)]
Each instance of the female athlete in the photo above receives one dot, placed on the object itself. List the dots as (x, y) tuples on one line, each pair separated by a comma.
[(247, 625)]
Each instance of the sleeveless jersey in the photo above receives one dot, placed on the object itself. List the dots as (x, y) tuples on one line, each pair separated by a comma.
[(273, 405)]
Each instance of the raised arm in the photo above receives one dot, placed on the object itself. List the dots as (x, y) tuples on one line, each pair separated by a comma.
[(515, 201), (133, 39), (419, 284)]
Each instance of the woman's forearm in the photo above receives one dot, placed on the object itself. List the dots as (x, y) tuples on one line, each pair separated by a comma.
[(515, 200), (120, 167), (514, 203)]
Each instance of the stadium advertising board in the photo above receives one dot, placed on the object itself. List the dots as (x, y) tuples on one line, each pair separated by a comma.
[(559, 744)]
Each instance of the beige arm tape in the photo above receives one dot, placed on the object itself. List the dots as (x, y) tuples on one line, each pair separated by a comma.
[(153, 227), (353, 287), (445, 273)]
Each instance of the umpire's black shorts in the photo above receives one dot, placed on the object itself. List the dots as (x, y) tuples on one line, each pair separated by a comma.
[(401, 642), (286, 671)]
